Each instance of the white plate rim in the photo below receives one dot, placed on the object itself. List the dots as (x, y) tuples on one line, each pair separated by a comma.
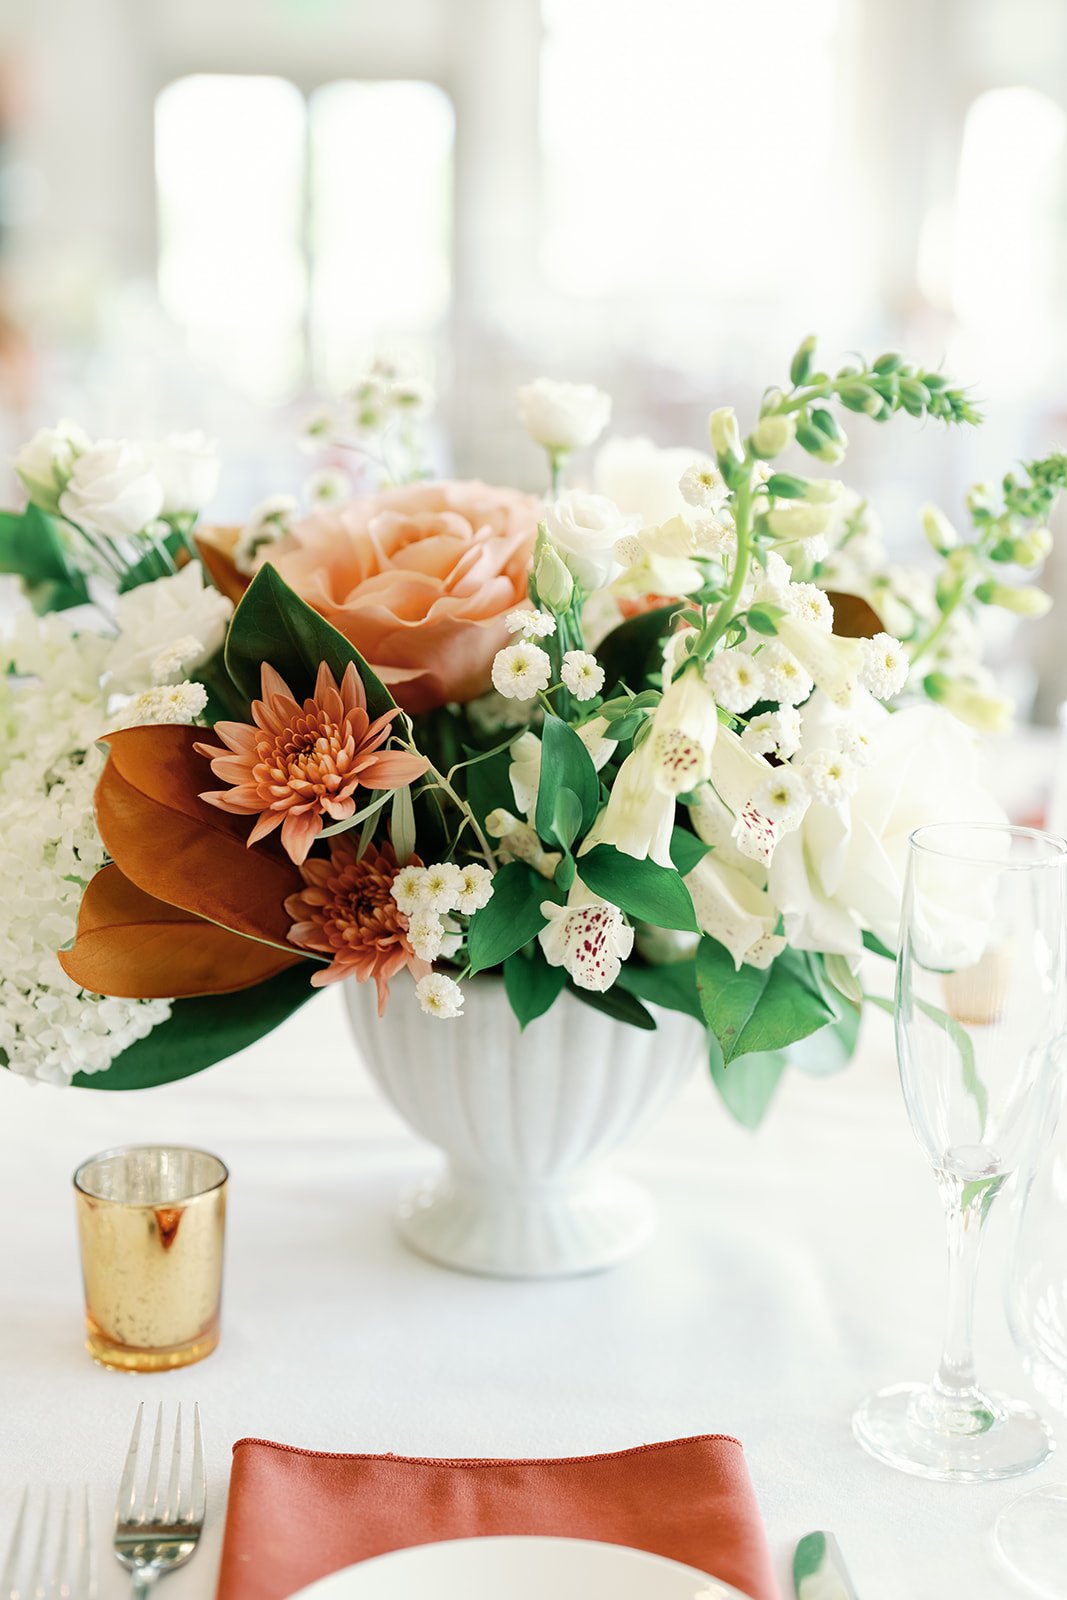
[(320, 1588)]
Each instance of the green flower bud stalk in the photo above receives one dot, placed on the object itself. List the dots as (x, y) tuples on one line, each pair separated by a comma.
[(552, 579), (725, 438), (939, 530), (1032, 548), (772, 435), (1024, 599), (800, 367), (989, 713)]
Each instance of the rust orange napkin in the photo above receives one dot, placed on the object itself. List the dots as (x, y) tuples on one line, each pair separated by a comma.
[(296, 1515)]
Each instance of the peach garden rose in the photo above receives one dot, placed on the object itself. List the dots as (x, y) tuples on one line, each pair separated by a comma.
[(420, 579)]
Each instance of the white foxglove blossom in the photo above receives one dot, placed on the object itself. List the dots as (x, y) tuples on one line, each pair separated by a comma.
[(330, 487), (44, 465), (884, 666), (971, 702), (734, 910), (582, 674), (174, 702), (783, 798), (525, 772), (774, 733), (725, 436), (476, 889), (425, 933), (587, 936), (584, 529), (267, 525), (784, 679), (736, 680), (113, 490), (702, 485), (643, 480), (406, 888), (518, 841), (563, 416), (741, 779), (439, 995), (50, 761), (188, 467), (531, 624), (156, 616), (811, 604), (842, 872), (684, 729), (521, 671), (639, 817), (800, 520), (772, 435), (834, 663), (830, 776)]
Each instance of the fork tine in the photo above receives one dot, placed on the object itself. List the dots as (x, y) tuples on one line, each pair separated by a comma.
[(150, 1502), (84, 1586), (8, 1586), (37, 1586), (174, 1487), (127, 1497), (61, 1581), (198, 1489)]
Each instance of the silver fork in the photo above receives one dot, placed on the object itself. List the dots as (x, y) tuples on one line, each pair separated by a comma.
[(153, 1537), (69, 1574)]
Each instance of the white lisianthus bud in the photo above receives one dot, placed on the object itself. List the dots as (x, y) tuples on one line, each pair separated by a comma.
[(552, 578), (772, 435), (1031, 548), (938, 529), (725, 436), (800, 520), (989, 713), (639, 817), (188, 467), (112, 490), (44, 464), (684, 730), (563, 416), (1025, 600), (584, 530)]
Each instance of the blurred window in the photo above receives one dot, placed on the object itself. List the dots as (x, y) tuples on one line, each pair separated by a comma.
[(298, 236)]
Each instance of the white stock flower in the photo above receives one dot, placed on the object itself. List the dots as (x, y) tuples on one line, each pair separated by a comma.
[(45, 463), (587, 936), (406, 888), (842, 872), (188, 468), (639, 816), (531, 624), (439, 996), (156, 616), (783, 798), (736, 911), (521, 671), (643, 480), (582, 674), (175, 702), (702, 485), (811, 604), (784, 679), (113, 490), (584, 530), (476, 889), (830, 776), (884, 666), (268, 523), (330, 487), (736, 680), (774, 733), (563, 416), (684, 729)]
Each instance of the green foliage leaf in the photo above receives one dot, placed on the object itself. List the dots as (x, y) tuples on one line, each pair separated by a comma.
[(488, 787), (615, 1002), (874, 944), (32, 549), (643, 889), (626, 652), (764, 619), (752, 1011), (687, 851), (673, 986), (566, 817), (828, 1049), (531, 984), (204, 1030), (565, 764), (512, 918), (150, 567), (748, 1083), (273, 624)]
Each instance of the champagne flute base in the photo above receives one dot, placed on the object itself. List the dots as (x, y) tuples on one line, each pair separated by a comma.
[(907, 1427), (1031, 1536)]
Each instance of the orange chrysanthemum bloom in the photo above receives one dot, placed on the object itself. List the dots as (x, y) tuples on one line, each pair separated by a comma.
[(299, 764), (347, 912)]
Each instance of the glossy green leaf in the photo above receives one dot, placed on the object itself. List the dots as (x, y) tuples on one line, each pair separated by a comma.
[(673, 986), (872, 943), (687, 851), (531, 984), (31, 548), (748, 1083), (566, 817), (617, 1003), (512, 918), (643, 889), (752, 1011), (627, 652), (151, 565), (565, 764)]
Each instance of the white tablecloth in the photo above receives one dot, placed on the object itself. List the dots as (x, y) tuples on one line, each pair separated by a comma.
[(792, 1271)]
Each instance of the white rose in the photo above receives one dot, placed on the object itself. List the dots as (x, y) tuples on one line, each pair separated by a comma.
[(585, 528), (157, 616), (113, 490), (644, 480), (563, 416), (187, 465), (842, 871), (45, 463)]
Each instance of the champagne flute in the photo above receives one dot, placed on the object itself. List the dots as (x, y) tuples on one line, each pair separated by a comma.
[(979, 1001)]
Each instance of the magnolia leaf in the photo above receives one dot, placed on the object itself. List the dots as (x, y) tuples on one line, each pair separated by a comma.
[(854, 618)]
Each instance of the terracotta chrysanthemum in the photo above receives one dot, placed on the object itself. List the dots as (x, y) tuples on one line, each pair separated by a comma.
[(301, 764), (347, 912)]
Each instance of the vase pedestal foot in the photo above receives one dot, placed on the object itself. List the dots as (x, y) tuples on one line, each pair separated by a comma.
[(537, 1231)]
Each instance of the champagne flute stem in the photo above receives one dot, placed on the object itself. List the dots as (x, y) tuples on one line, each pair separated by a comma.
[(966, 1209)]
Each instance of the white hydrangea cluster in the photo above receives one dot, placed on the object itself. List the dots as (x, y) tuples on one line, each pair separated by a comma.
[(52, 711)]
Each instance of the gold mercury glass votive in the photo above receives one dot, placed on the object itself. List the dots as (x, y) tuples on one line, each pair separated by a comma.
[(151, 1220)]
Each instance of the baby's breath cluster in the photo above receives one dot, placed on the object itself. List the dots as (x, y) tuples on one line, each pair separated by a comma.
[(431, 898)]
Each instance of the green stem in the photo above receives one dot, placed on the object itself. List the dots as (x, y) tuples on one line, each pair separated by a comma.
[(727, 607), (465, 811), (939, 627)]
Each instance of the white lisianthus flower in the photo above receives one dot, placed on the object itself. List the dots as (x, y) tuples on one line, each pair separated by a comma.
[(563, 416), (44, 465), (439, 996), (884, 666), (774, 733), (736, 680), (268, 523), (702, 485), (175, 702), (811, 604), (406, 888), (684, 729), (643, 480), (584, 530), (553, 579), (521, 671), (784, 679), (155, 616), (639, 817), (830, 776), (842, 872), (582, 674), (736, 911), (113, 490), (783, 798), (531, 624), (587, 936), (188, 467), (476, 889), (330, 487)]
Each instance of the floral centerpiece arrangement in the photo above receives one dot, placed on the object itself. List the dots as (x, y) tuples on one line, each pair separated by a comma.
[(657, 742)]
